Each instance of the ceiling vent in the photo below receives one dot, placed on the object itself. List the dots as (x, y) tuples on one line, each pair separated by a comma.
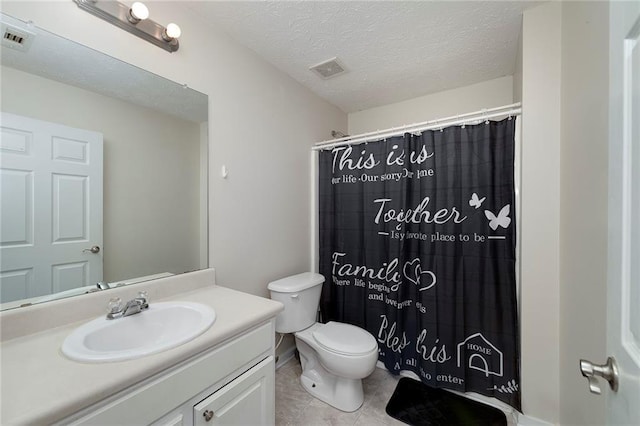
[(329, 69), (16, 38)]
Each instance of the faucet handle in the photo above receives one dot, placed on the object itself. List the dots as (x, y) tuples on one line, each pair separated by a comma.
[(102, 285), (114, 305), (143, 298)]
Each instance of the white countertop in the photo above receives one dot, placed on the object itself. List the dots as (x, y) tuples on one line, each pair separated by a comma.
[(40, 385)]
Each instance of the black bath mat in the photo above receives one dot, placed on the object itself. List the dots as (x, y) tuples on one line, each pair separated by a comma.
[(417, 404)]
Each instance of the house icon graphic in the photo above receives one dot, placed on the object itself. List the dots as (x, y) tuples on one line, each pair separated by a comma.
[(480, 355)]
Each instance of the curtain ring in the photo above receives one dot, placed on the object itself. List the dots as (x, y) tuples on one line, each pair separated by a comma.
[(484, 114)]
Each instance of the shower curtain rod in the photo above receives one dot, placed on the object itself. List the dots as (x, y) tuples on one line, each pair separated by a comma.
[(469, 118)]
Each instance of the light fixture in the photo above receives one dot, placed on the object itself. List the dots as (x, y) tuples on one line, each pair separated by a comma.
[(138, 12), (172, 32), (135, 19)]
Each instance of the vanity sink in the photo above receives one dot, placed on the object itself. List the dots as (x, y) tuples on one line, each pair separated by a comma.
[(162, 326)]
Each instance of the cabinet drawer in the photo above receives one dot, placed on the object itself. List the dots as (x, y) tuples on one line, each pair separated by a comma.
[(149, 400), (247, 400)]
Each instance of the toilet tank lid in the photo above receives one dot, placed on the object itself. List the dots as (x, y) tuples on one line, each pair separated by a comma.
[(296, 282)]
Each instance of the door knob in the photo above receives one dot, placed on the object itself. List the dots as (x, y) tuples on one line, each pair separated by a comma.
[(94, 249), (608, 371)]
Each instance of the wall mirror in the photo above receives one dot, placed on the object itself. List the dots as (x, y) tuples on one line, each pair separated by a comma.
[(103, 170)]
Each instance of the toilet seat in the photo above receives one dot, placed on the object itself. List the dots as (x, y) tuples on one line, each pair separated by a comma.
[(344, 339)]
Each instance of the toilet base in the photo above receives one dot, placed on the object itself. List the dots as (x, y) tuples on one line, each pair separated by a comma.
[(343, 394), (339, 392)]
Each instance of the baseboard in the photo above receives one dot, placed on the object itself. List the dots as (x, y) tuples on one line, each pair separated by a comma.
[(531, 421), (285, 357)]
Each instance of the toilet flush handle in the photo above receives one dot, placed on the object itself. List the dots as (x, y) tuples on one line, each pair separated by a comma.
[(294, 296)]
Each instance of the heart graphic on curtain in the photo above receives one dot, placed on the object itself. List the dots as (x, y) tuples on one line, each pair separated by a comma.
[(413, 273)]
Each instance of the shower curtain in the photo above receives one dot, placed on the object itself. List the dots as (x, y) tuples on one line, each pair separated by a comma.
[(417, 246)]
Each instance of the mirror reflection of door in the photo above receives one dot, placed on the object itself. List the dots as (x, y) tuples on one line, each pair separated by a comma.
[(51, 207)]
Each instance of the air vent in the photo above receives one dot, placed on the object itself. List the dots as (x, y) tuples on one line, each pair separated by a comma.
[(329, 69), (16, 38)]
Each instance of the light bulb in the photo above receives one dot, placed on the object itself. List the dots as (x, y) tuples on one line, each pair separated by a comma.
[(139, 11), (173, 31)]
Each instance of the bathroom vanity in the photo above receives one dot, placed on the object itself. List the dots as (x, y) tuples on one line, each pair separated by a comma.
[(224, 375)]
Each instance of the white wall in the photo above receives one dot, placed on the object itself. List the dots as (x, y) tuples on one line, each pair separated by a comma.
[(151, 173), (583, 204), (261, 126), (488, 94), (540, 216), (564, 237), (517, 73)]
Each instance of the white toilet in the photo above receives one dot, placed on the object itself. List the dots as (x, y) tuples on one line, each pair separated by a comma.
[(335, 357)]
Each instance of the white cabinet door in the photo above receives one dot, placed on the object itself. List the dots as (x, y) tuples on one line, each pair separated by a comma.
[(50, 207), (247, 400)]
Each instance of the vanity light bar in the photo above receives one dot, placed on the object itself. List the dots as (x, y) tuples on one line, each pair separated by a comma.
[(119, 14)]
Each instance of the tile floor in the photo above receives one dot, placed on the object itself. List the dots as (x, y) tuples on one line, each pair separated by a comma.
[(294, 406)]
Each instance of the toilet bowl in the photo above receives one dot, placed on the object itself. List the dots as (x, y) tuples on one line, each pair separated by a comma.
[(335, 357)]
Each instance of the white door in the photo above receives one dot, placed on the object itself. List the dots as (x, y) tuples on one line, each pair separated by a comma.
[(50, 207), (623, 310)]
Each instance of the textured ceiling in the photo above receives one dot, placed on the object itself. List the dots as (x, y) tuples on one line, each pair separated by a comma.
[(393, 50), (59, 59)]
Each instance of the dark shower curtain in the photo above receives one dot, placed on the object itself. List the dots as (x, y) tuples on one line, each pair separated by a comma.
[(417, 245)]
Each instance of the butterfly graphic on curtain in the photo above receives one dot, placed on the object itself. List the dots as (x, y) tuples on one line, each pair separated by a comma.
[(502, 219), (476, 201)]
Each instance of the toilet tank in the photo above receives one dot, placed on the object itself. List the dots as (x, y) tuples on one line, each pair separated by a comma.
[(300, 295)]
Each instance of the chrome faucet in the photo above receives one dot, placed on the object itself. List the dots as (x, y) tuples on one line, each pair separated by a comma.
[(117, 309)]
